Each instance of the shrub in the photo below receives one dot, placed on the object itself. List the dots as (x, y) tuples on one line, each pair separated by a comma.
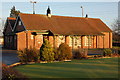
[(28, 55), (46, 51), (11, 74), (81, 53), (64, 52), (56, 54), (23, 55), (107, 52), (35, 55)]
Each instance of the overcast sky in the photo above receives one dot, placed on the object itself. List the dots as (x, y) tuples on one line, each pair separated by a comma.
[(106, 11)]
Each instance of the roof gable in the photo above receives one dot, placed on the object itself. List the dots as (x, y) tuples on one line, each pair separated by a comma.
[(17, 27), (9, 25)]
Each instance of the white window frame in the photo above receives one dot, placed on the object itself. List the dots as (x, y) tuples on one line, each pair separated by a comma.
[(70, 41), (88, 41), (61, 39)]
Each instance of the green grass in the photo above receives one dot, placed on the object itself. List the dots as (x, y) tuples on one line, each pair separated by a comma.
[(91, 68)]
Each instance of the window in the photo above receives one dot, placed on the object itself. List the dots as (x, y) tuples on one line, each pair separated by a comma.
[(32, 36), (88, 41), (20, 23), (70, 41), (15, 37), (11, 40), (61, 39), (77, 40)]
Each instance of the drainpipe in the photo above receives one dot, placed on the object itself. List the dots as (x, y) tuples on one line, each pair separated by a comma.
[(72, 43), (26, 39), (103, 42)]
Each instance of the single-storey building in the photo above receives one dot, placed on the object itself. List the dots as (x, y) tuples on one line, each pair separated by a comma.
[(29, 30)]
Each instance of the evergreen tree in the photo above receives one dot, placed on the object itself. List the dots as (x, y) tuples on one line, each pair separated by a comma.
[(46, 51), (14, 13)]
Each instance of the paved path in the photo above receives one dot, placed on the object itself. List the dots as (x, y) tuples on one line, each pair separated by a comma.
[(9, 56)]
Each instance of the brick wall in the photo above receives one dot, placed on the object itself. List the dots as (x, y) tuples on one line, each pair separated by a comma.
[(28, 40), (21, 40)]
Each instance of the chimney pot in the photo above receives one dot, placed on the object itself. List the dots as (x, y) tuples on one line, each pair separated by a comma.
[(48, 12), (86, 16)]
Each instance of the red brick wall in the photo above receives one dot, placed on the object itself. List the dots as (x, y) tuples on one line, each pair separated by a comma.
[(67, 39), (51, 40), (106, 40), (21, 40), (110, 37), (100, 41), (97, 41), (25, 40)]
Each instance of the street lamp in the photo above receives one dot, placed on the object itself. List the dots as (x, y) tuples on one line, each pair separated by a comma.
[(33, 6), (82, 11)]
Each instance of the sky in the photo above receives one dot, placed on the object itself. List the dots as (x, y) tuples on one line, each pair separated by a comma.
[(106, 11)]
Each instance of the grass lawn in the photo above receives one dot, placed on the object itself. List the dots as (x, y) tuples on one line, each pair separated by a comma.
[(91, 68)]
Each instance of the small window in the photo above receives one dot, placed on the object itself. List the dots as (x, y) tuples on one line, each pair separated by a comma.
[(70, 41), (19, 23), (15, 37), (32, 36), (76, 42), (88, 41)]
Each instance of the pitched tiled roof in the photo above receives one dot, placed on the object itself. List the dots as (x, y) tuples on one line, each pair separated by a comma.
[(64, 25)]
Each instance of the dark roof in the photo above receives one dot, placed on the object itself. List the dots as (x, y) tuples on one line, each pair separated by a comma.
[(11, 21), (64, 25)]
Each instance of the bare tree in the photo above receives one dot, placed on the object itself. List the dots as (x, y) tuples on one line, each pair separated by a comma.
[(116, 30)]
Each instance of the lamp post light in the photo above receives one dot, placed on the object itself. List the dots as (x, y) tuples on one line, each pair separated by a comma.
[(82, 11), (33, 6)]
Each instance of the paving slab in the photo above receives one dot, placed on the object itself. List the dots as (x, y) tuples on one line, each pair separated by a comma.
[(9, 56)]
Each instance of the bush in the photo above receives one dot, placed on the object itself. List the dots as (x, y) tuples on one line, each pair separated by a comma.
[(11, 74), (23, 55), (107, 52), (35, 54), (81, 53), (64, 52), (46, 51), (28, 55), (56, 54)]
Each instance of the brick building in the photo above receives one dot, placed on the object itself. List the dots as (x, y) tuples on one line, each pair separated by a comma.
[(30, 29)]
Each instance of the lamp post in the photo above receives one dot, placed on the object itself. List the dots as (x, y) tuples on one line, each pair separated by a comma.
[(82, 11), (33, 6)]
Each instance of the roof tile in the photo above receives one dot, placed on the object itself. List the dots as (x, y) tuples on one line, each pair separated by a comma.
[(64, 25)]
